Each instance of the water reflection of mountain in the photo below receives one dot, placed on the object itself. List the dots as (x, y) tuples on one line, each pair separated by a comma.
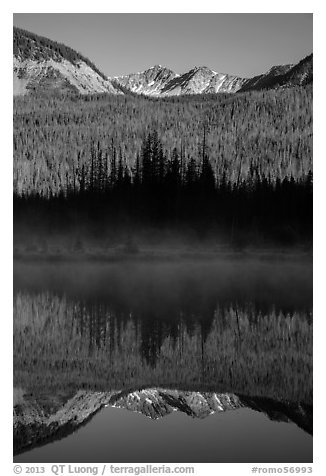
[(39, 421), (89, 336)]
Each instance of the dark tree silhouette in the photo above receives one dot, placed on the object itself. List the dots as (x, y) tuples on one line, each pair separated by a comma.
[(156, 193)]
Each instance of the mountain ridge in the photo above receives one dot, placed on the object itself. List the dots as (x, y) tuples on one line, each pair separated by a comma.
[(299, 74), (42, 65)]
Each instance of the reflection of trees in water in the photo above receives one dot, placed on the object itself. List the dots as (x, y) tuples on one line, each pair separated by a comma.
[(154, 320), (153, 323), (184, 340)]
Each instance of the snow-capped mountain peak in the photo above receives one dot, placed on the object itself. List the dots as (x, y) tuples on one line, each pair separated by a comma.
[(149, 82), (161, 81)]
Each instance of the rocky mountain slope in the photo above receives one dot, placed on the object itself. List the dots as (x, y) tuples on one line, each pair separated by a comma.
[(40, 420), (40, 64)]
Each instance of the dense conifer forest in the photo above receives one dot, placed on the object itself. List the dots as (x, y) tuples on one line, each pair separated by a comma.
[(233, 165), (269, 130)]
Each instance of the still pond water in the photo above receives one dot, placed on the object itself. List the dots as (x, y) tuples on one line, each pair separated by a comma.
[(163, 362)]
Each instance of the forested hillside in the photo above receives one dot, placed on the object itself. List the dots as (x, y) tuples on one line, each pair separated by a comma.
[(267, 131), (27, 45), (300, 74)]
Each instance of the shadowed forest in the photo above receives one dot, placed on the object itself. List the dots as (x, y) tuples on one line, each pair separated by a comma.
[(236, 169)]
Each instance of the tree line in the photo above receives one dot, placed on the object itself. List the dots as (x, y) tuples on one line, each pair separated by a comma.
[(166, 190)]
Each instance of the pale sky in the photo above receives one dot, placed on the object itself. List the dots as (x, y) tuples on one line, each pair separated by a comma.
[(243, 44)]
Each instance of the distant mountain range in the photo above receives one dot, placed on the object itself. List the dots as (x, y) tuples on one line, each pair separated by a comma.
[(160, 81), (38, 421), (44, 66)]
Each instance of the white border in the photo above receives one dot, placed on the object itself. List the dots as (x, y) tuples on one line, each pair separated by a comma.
[(319, 178)]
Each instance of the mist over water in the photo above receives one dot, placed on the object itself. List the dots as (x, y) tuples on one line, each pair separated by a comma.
[(166, 340)]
